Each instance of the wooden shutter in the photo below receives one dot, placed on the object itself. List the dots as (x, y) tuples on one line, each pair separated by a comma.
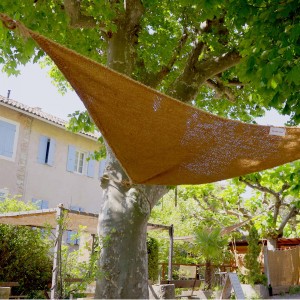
[(7, 134), (71, 158), (42, 149), (51, 152), (91, 167), (45, 204)]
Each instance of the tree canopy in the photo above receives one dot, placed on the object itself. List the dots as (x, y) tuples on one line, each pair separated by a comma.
[(244, 53)]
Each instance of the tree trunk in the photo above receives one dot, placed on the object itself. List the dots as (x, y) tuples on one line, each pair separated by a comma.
[(123, 228), (208, 274), (272, 243)]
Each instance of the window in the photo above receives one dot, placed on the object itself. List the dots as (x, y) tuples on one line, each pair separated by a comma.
[(8, 138), (3, 194), (46, 151), (76, 208), (72, 237), (78, 163), (41, 204)]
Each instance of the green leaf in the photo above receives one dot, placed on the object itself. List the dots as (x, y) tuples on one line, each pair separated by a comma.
[(294, 75)]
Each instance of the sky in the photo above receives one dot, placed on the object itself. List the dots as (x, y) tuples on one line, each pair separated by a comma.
[(34, 88)]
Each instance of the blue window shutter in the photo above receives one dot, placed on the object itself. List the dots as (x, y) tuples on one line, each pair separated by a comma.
[(42, 149), (45, 204), (71, 239), (101, 168), (7, 138), (69, 236), (37, 202), (91, 168), (51, 152), (71, 158)]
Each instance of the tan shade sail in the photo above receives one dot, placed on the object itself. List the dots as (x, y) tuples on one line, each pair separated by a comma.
[(48, 217), (159, 140)]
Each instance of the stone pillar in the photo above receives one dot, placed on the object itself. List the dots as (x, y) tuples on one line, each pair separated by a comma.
[(24, 139)]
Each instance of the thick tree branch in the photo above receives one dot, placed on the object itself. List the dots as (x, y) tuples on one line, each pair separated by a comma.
[(186, 86), (154, 79), (77, 19), (259, 187), (221, 90), (199, 203), (122, 43), (277, 196), (134, 10), (292, 213)]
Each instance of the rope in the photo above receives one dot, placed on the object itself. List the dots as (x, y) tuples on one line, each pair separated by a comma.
[(8, 22), (12, 24)]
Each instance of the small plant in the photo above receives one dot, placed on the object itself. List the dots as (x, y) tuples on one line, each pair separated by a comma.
[(295, 289), (73, 265)]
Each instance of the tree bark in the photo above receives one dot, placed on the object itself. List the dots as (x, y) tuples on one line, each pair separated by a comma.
[(123, 228), (272, 243), (208, 274)]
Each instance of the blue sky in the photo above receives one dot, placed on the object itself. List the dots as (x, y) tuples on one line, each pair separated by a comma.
[(34, 88)]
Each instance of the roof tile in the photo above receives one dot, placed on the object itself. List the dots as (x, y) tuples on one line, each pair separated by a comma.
[(37, 112)]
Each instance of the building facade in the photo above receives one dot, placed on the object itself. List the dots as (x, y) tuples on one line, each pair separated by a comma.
[(44, 163)]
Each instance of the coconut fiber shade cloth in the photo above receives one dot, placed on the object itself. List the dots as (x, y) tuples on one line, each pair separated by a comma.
[(158, 139)]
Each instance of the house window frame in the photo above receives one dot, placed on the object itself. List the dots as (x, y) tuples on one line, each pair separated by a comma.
[(80, 163), (16, 137)]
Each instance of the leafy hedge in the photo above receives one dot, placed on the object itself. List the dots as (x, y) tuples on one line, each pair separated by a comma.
[(152, 246), (24, 254)]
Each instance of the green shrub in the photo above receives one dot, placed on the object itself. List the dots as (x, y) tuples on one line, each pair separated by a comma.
[(152, 246), (254, 275), (24, 257), (24, 253)]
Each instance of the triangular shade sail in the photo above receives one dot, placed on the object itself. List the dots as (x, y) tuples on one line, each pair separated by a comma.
[(159, 140), (48, 218)]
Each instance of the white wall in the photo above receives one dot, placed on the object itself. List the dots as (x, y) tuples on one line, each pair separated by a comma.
[(26, 176)]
